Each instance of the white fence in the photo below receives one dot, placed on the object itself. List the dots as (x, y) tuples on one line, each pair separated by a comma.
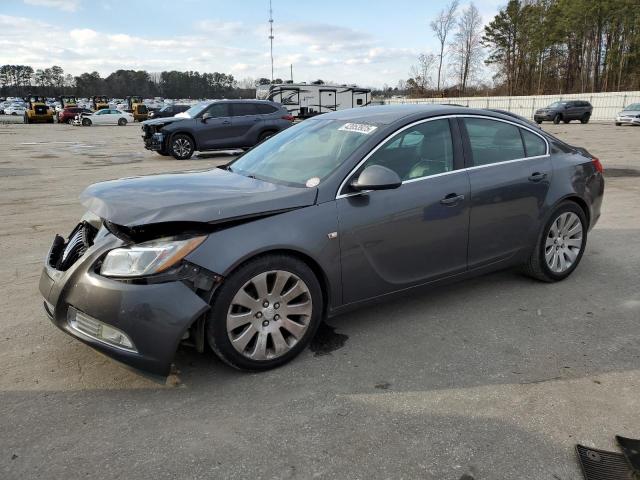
[(605, 105)]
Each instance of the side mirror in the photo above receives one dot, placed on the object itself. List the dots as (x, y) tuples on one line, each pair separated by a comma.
[(376, 177), (206, 116)]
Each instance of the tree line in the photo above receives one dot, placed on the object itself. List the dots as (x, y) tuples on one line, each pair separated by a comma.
[(19, 80), (531, 47)]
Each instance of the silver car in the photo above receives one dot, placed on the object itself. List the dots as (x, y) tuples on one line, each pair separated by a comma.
[(630, 115)]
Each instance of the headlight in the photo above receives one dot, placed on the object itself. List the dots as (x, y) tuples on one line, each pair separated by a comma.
[(149, 257)]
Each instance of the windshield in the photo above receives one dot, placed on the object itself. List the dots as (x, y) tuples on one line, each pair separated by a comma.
[(633, 106), (557, 104), (197, 109), (305, 154)]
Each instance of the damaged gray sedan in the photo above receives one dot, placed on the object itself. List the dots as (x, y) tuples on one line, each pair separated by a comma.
[(330, 214)]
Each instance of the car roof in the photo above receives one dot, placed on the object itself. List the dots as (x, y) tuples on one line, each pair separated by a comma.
[(390, 114)]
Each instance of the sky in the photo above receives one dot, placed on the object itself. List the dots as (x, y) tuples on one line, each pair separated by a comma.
[(370, 43)]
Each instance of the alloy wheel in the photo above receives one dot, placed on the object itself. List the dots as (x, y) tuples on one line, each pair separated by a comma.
[(564, 242), (182, 147), (269, 315)]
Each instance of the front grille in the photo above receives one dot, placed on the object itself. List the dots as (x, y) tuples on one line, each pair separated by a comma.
[(80, 239)]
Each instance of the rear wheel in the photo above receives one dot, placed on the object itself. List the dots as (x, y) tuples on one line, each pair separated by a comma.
[(265, 313), (122, 122), (585, 118), (557, 118), (182, 147), (560, 246), (264, 135)]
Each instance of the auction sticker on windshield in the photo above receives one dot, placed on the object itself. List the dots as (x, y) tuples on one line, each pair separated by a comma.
[(358, 127)]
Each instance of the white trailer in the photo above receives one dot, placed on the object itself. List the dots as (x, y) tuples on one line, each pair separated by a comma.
[(305, 100)]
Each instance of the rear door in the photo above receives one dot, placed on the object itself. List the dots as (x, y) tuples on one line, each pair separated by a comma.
[(246, 125), (213, 133), (509, 173)]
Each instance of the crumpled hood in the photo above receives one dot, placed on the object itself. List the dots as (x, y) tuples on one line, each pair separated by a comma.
[(210, 196)]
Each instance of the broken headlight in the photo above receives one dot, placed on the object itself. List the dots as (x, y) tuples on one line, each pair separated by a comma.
[(148, 258)]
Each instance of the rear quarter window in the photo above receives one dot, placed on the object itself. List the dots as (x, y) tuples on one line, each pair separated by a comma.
[(533, 144), (265, 109)]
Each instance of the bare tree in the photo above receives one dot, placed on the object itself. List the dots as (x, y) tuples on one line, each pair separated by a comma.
[(467, 46), (441, 26), (421, 73)]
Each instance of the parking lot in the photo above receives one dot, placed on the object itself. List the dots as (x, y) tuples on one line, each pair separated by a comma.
[(497, 377)]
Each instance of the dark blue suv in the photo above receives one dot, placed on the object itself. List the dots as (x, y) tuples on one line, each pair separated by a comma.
[(215, 125)]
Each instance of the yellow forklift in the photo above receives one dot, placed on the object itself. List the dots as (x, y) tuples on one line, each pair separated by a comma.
[(37, 110), (99, 102), (68, 101), (137, 107)]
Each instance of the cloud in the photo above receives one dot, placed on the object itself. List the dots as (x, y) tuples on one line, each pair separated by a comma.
[(66, 5)]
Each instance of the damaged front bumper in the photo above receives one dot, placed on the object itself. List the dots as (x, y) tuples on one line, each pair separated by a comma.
[(153, 141), (138, 324)]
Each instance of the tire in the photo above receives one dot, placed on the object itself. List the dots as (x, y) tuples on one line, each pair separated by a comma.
[(25, 119), (567, 120), (239, 343), (86, 122), (585, 118), (264, 135), (537, 265), (182, 146), (538, 122), (557, 118), (618, 124), (69, 121), (14, 114), (122, 122)]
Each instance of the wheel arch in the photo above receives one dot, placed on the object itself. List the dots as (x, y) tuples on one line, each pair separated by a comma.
[(575, 199), (314, 265)]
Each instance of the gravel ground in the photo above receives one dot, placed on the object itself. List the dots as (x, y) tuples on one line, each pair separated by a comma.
[(497, 377)]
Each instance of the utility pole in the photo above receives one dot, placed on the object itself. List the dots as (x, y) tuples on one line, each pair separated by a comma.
[(292, 73), (271, 37)]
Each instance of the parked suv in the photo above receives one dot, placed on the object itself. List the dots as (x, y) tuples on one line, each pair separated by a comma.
[(215, 125), (68, 114), (565, 111), (168, 111)]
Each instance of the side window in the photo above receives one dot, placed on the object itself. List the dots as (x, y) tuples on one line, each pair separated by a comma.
[(218, 110), (420, 151), (533, 144), (493, 141), (265, 109), (241, 109), (359, 101), (289, 97)]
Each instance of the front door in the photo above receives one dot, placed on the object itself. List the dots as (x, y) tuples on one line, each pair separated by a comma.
[(395, 239), (510, 175), (213, 132)]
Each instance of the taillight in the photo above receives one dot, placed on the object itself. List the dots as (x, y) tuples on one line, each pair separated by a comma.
[(288, 117), (597, 164)]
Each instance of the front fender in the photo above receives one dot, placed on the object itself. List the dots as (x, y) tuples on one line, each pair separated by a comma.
[(304, 231)]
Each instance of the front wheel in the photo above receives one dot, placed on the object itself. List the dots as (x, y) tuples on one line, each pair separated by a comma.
[(182, 147), (86, 122), (122, 122), (557, 118), (265, 313), (560, 246), (585, 118), (69, 121)]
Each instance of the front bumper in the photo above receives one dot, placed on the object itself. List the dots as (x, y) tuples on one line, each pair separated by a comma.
[(154, 316), (628, 120), (154, 142)]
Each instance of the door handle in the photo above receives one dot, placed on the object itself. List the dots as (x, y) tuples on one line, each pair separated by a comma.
[(451, 199), (537, 176), (226, 122)]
